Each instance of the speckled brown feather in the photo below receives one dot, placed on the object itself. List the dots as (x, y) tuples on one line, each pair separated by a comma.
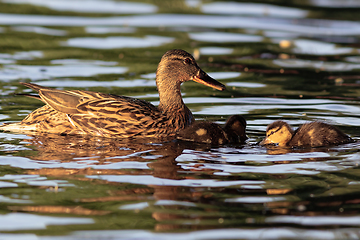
[(214, 134), (316, 134), (204, 132), (101, 115)]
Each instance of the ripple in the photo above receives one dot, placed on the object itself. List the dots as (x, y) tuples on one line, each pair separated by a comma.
[(70, 61), (335, 3), (145, 180), (255, 199), (118, 42), (252, 9), (215, 50), (312, 47), (95, 6), (315, 27), (40, 30), (11, 147), (247, 105), (13, 200), (135, 206), (305, 168), (315, 220), (10, 137), (7, 185), (35, 180), (224, 75), (220, 37), (225, 233), (105, 30), (26, 163), (14, 72), (20, 56), (312, 64), (22, 221), (355, 59), (86, 83), (246, 84)]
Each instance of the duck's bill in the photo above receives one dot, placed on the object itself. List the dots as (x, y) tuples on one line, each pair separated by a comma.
[(206, 80)]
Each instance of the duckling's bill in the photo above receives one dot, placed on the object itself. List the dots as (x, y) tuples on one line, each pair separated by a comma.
[(203, 78), (267, 141)]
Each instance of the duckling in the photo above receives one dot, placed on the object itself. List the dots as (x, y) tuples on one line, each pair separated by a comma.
[(235, 128), (92, 113), (313, 134), (214, 134)]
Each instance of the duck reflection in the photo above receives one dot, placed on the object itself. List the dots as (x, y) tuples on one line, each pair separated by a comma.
[(103, 151), (159, 157), (181, 204)]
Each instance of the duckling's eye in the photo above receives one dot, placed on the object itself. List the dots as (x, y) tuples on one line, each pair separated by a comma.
[(187, 61), (271, 133)]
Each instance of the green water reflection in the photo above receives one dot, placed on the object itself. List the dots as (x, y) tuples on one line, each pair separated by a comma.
[(291, 60)]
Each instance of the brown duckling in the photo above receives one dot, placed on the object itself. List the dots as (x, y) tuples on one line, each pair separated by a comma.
[(212, 133), (313, 134), (106, 115)]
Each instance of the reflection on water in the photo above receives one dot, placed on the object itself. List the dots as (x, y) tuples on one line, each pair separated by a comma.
[(91, 6), (218, 37), (14, 72), (252, 9), (118, 42), (297, 62), (22, 221)]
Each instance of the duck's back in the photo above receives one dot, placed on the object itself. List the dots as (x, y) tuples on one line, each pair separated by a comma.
[(316, 134), (204, 132)]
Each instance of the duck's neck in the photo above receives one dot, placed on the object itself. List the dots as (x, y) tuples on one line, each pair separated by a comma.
[(172, 105), (170, 96)]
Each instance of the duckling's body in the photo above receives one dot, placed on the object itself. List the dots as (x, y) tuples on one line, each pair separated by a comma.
[(314, 134), (214, 134), (85, 112)]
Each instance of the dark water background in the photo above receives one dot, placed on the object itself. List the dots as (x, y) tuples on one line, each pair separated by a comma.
[(292, 60)]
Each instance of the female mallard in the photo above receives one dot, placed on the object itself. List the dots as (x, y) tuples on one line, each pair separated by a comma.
[(214, 134), (313, 134), (85, 112)]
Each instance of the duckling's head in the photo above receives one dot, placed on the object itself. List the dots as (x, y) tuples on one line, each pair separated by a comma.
[(279, 133), (235, 128), (178, 66)]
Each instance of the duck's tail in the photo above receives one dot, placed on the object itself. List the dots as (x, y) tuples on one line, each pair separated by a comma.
[(18, 127)]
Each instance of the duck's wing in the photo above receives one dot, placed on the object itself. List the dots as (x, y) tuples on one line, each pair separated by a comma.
[(104, 114), (112, 117)]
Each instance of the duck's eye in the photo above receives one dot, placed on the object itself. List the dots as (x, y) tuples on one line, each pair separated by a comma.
[(187, 61)]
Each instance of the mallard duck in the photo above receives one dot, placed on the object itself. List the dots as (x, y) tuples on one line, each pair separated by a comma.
[(99, 114), (212, 133), (313, 134)]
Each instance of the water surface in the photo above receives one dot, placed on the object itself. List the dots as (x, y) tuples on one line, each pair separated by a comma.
[(297, 62)]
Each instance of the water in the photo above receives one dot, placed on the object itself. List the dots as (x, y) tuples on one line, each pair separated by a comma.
[(297, 62)]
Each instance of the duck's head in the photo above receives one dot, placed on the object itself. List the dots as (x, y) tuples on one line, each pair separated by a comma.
[(178, 66), (235, 128), (278, 133)]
